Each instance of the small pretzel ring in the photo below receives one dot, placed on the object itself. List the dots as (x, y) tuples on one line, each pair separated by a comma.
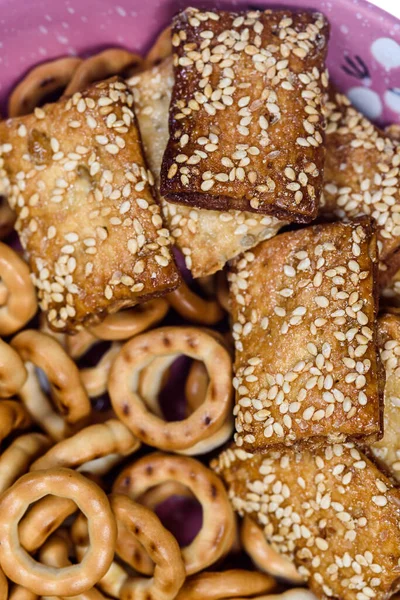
[(63, 375), (217, 586), (13, 416), (78, 344), (15, 460), (20, 593), (39, 83), (162, 548), (3, 586), (128, 323), (7, 217), (113, 61), (264, 556), (161, 48), (95, 379), (45, 517), (217, 533), (92, 442), (130, 407), (196, 385), (90, 499), (156, 495), (193, 308), (12, 371), (54, 553), (18, 302)]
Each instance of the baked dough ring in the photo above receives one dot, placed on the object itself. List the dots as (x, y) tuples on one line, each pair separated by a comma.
[(95, 378), (162, 547), (40, 82), (218, 586), (98, 441), (264, 556), (217, 533), (192, 307), (13, 416), (113, 61), (12, 371), (3, 586), (18, 302), (130, 407), (21, 568), (15, 460), (66, 386), (161, 48), (18, 592), (127, 323)]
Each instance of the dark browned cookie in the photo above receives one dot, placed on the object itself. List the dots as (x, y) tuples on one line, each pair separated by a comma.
[(76, 176), (304, 322), (246, 122), (328, 509), (362, 174)]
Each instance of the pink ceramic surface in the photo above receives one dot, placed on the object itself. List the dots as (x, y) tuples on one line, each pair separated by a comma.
[(364, 51)]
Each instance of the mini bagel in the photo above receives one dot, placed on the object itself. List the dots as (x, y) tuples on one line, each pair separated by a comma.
[(127, 323), (13, 416), (12, 371), (131, 408), (220, 586), (193, 308), (66, 387), (162, 548), (18, 302), (161, 48), (113, 61), (15, 460), (217, 533), (91, 500), (93, 442), (264, 556), (41, 81)]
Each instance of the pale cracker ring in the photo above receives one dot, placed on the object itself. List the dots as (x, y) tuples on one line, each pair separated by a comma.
[(90, 499), (264, 556), (158, 494), (193, 308), (162, 48), (216, 536), (151, 380), (93, 442), (113, 61), (15, 460), (40, 82), (13, 416), (128, 323), (221, 585), (12, 371), (66, 386), (18, 592), (196, 385), (78, 344), (54, 553), (137, 353), (95, 378), (161, 546), (18, 303), (40, 408)]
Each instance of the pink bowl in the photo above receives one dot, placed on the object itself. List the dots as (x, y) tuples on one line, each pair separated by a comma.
[(364, 51)]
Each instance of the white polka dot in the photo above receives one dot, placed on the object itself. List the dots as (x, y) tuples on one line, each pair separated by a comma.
[(392, 99), (367, 101), (387, 52)]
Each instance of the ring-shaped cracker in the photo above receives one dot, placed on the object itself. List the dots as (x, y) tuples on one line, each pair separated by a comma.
[(137, 353), (216, 536), (15, 460), (264, 556), (93, 442), (41, 81), (18, 302), (192, 307), (128, 323), (113, 61), (13, 416), (66, 386), (12, 371), (161, 546), (90, 499), (221, 585)]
